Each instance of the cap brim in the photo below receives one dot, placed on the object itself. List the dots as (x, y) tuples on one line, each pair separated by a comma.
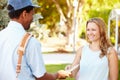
[(36, 6)]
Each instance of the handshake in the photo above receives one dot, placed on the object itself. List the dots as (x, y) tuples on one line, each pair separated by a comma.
[(63, 74)]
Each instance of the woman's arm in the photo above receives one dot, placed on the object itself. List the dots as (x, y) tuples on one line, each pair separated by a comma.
[(76, 61), (113, 64)]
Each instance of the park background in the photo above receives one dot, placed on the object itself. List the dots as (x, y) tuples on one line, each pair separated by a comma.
[(60, 24)]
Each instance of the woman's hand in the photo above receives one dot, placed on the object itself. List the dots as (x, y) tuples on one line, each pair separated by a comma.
[(62, 74), (68, 67)]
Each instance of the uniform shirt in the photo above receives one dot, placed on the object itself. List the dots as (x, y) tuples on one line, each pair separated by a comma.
[(32, 61), (92, 67)]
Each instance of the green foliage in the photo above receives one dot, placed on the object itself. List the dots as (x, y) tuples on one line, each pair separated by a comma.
[(3, 14), (112, 31), (99, 8), (50, 14), (48, 11)]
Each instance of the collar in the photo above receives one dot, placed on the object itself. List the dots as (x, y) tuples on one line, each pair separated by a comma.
[(16, 25)]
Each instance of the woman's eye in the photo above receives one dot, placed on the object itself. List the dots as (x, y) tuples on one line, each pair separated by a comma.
[(88, 29), (93, 29)]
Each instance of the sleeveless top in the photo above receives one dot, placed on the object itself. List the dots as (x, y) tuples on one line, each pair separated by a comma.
[(92, 67)]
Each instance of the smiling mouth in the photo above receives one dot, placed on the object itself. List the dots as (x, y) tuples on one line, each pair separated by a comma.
[(90, 36)]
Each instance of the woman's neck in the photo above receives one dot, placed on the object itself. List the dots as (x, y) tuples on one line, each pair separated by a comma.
[(94, 46)]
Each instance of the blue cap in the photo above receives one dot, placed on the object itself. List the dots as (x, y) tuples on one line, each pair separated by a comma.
[(19, 4)]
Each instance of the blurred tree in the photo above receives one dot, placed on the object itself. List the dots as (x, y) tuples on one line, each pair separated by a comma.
[(3, 14), (49, 13), (63, 11), (73, 14)]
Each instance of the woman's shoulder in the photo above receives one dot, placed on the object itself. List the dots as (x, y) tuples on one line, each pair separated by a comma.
[(82, 47), (111, 52)]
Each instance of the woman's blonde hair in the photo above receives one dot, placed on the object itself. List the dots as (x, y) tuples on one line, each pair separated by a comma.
[(104, 41)]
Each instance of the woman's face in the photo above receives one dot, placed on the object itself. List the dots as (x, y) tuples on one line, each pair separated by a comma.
[(92, 31)]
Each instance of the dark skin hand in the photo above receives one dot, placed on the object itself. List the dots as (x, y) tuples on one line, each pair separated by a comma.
[(61, 74)]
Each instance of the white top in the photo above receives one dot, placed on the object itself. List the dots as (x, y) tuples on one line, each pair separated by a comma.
[(32, 61), (92, 67)]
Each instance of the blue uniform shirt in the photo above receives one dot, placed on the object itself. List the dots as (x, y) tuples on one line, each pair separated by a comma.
[(32, 61)]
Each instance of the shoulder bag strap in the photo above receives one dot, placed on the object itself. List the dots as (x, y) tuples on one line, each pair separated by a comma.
[(21, 50)]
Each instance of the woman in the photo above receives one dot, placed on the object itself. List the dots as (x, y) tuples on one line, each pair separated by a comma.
[(97, 60)]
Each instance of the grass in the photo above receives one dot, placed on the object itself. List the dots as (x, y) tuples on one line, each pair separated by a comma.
[(54, 68)]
